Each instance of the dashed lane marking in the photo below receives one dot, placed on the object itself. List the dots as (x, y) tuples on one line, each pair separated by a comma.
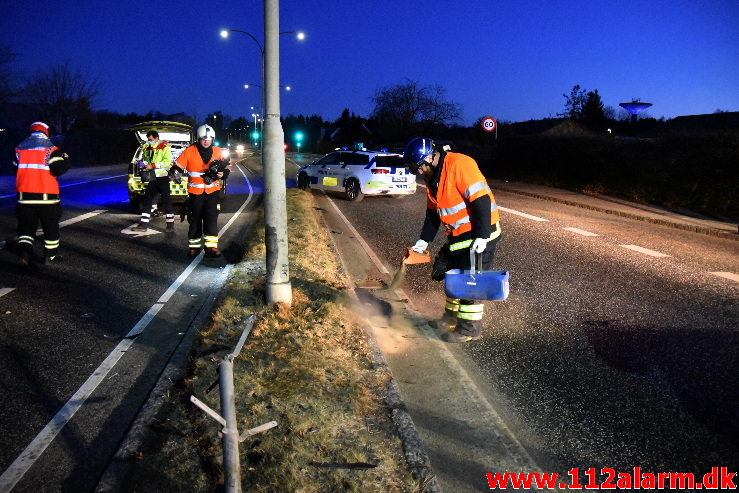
[(4, 291), (645, 251), (727, 275), (581, 232), (77, 219), (523, 214)]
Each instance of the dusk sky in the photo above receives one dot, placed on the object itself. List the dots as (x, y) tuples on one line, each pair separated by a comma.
[(512, 60)]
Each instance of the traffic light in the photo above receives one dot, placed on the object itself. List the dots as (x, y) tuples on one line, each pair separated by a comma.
[(299, 136)]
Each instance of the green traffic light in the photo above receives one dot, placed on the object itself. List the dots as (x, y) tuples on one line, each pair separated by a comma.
[(299, 136)]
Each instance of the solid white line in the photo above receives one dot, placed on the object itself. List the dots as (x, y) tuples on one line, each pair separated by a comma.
[(4, 291), (359, 238), (581, 232), (645, 251), (33, 451), (90, 181), (523, 214), (145, 320), (726, 275)]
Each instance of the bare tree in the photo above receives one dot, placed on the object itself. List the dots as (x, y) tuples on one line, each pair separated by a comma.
[(63, 94), (402, 108), (8, 87)]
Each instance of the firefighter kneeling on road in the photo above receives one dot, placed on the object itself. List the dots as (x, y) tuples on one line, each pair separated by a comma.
[(39, 162), (459, 198), (205, 165)]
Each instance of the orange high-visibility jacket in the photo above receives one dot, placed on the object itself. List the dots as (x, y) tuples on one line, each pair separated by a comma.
[(34, 180), (460, 183), (191, 162)]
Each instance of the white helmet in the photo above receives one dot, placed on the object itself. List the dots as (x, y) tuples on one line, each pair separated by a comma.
[(206, 132)]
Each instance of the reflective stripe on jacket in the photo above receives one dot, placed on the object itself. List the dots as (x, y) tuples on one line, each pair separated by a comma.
[(160, 155), (460, 184), (34, 178), (191, 163)]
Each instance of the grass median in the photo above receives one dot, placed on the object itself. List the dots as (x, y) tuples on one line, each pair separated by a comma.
[(307, 366)]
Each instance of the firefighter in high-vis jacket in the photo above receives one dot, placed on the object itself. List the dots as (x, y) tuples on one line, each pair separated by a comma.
[(205, 165), (459, 198), (38, 164)]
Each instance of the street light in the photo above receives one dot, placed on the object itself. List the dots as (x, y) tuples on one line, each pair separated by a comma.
[(278, 288)]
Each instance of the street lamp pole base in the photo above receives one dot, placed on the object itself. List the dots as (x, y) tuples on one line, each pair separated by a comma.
[(279, 293)]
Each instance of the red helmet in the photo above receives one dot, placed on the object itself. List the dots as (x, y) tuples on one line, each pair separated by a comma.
[(39, 127)]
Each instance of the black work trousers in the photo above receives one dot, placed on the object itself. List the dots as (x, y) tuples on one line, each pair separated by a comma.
[(159, 186), (203, 215), (468, 313), (29, 216)]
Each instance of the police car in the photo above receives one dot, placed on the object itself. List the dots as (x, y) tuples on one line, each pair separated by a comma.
[(359, 173)]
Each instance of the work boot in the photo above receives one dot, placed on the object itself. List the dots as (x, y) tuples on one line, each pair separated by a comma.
[(193, 252), (143, 227), (212, 252), (454, 336), (445, 323), (26, 260), (170, 229)]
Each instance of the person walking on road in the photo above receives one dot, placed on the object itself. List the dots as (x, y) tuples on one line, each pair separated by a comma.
[(38, 164), (205, 165), (156, 155), (460, 199)]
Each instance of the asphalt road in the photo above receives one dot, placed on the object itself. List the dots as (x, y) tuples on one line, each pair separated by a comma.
[(617, 347), (71, 381)]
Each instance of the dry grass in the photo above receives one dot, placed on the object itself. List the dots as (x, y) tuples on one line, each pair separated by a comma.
[(306, 366)]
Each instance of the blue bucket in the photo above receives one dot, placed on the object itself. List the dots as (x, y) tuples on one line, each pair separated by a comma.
[(476, 284)]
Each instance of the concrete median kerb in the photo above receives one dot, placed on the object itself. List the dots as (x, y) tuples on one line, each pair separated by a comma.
[(416, 457)]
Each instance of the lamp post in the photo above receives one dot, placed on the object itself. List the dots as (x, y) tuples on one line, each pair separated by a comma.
[(278, 289)]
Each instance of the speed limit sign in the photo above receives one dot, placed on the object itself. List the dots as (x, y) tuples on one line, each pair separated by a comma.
[(489, 124)]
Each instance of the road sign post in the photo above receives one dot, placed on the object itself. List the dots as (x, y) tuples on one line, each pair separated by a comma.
[(490, 125)]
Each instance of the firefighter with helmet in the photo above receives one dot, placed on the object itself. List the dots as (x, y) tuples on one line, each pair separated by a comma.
[(205, 166), (459, 198), (38, 164)]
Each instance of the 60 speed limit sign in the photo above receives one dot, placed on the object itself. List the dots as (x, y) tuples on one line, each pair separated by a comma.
[(489, 124)]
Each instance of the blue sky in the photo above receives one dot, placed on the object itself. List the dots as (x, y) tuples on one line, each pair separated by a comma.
[(512, 60)]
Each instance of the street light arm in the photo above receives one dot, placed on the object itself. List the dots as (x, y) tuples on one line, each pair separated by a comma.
[(261, 50)]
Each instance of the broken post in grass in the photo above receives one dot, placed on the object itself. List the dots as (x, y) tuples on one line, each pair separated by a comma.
[(230, 438)]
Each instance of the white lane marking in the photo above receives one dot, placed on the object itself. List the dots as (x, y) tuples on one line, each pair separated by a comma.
[(38, 445), (70, 185), (727, 275), (145, 320), (4, 291), (359, 238), (523, 214), (645, 251), (77, 219), (90, 181), (581, 232), (33, 451)]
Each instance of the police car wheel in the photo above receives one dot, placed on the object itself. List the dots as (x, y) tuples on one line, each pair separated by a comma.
[(303, 181), (353, 190)]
